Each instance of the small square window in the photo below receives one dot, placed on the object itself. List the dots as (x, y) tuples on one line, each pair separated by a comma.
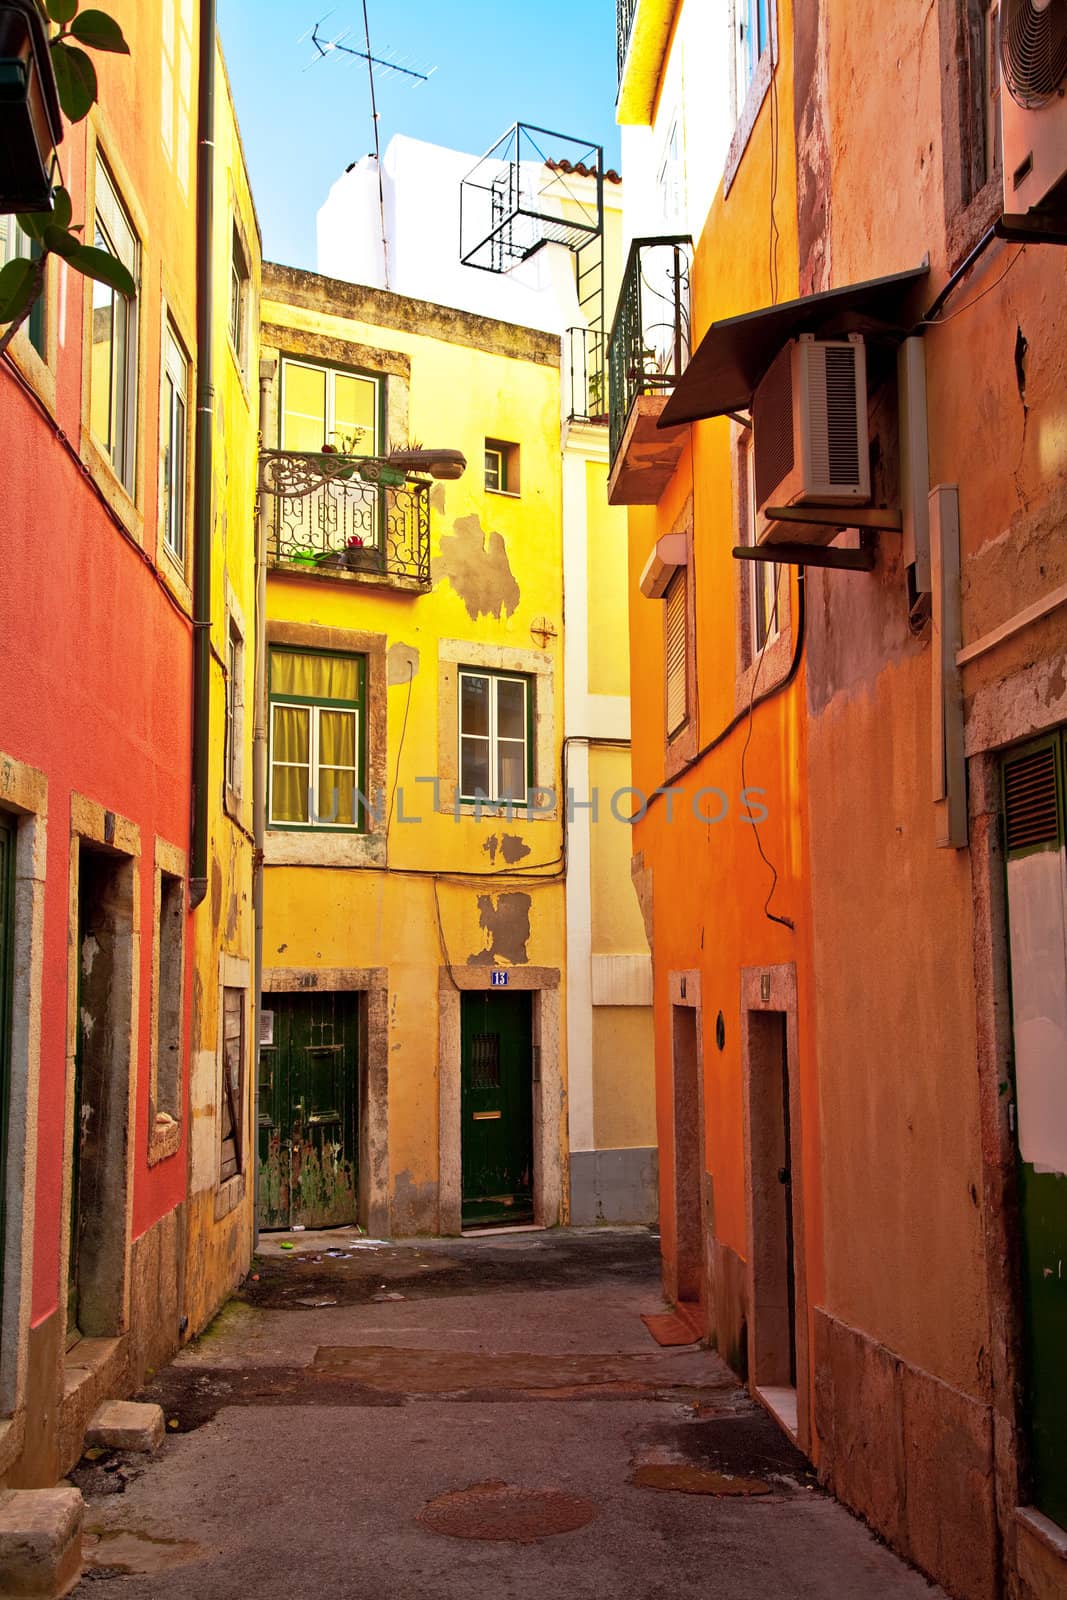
[(501, 467)]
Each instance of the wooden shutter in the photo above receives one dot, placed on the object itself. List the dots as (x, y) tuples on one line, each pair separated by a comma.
[(1031, 798), (674, 630)]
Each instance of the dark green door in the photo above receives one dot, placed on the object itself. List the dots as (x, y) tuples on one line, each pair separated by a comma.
[(7, 899), (308, 1110), (1034, 788), (497, 1107)]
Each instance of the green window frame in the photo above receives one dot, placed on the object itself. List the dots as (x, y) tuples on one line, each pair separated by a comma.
[(494, 757), (317, 754)]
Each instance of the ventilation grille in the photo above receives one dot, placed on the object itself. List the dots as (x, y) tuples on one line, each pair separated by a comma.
[(1033, 48), (835, 455), (485, 1061), (674, 629), (772, 427), (1031, 812)]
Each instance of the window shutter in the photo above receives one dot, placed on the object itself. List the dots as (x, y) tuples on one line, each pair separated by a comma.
[(1032, 805), (675, 652)]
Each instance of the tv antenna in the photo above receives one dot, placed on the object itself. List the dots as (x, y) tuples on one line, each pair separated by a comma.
[(336, 45)]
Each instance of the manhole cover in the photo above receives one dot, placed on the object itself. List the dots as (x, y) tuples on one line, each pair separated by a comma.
[(497, 1510)]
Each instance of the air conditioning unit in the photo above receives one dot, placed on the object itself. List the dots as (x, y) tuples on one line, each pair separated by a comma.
[(809, 435), (1033, 100)]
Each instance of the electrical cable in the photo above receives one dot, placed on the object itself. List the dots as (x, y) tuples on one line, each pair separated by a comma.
[(939, 322), (400, 747)]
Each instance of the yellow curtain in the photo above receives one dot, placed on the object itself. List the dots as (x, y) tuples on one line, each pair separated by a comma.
[(314, 677), (337, 767), (291, 763)]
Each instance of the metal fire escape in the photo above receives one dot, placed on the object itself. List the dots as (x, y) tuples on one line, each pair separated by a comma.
[(529, 190)]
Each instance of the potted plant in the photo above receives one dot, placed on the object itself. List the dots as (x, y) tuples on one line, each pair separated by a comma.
[(357, 556)]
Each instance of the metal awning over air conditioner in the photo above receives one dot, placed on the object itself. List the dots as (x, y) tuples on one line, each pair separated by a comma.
[(735, 354)]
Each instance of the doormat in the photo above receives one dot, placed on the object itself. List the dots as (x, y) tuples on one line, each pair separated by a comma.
[(667, 1328)]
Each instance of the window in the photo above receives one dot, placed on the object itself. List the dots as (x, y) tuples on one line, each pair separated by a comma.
[(669, 178), (113, 372), (14, 243), (495, 744), (759, 577), (676, 653), (326, 405), (753, 24), (239, 281), (993, 151), (169, 975), (501, 466), (233, 1083), (316, 740), (174, 435), (234, 750)]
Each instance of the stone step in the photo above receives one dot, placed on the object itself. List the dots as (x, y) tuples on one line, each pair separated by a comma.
[(40, 1542), (126, 1425)]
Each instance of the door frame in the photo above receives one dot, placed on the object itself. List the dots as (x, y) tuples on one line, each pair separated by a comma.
[(373, 1087), (774, 989), (685, 994), (548, 1099)]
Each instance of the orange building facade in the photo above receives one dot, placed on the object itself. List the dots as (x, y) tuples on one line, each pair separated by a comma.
[(855, 892)]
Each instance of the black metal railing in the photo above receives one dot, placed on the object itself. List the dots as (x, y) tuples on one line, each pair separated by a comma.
[(586, 375), (624, 21), (338, 513), (648, 349)]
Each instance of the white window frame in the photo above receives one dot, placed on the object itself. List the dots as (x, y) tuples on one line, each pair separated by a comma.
[(669, 178), (312, 767), (493, 738), (495, 463), (174, 477), (111, 221), (332, 374)]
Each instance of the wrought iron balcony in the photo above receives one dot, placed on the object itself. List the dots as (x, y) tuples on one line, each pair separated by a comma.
[(348, 514), (648, 350), (624, 21), (586, 375)]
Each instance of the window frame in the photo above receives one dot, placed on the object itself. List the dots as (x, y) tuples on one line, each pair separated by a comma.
[(507, 453), (761, 579), (227, 1087), (120, 449), (333, 370), (166, 1079), (14, 243), (679, 584), (315, 705), (172, 519), (750, 91), (240, 287), (496, 676)]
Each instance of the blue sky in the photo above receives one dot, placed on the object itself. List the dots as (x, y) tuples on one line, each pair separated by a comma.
[(551, 63)]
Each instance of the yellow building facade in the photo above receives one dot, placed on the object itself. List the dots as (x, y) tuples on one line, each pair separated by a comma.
[(427, 716)]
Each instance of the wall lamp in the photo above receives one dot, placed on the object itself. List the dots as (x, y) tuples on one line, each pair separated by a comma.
[(31, 125)]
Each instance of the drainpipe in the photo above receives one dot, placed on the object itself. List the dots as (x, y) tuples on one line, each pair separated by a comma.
[(204, 456), (259, 768)]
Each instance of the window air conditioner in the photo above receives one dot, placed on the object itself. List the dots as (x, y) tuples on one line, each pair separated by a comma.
[(1033, 112), (809, 427)]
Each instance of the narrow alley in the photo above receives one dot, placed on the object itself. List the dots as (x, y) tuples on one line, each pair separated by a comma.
[(485, 1416)]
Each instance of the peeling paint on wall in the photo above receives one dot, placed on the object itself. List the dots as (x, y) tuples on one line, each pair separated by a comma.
[(509, 845), (401, 663), (505, 919), (475, 562)]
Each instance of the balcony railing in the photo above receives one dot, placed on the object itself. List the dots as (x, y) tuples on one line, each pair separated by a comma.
[(624, 21), (338, 513), (586, 375), (649, 345)]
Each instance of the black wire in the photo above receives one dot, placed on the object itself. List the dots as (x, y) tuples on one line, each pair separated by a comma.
[(400, 750)]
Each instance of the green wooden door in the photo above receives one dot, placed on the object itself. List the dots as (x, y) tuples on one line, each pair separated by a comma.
[(497, 1107), (7, 902), (1034, 779), (308, 1110)]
